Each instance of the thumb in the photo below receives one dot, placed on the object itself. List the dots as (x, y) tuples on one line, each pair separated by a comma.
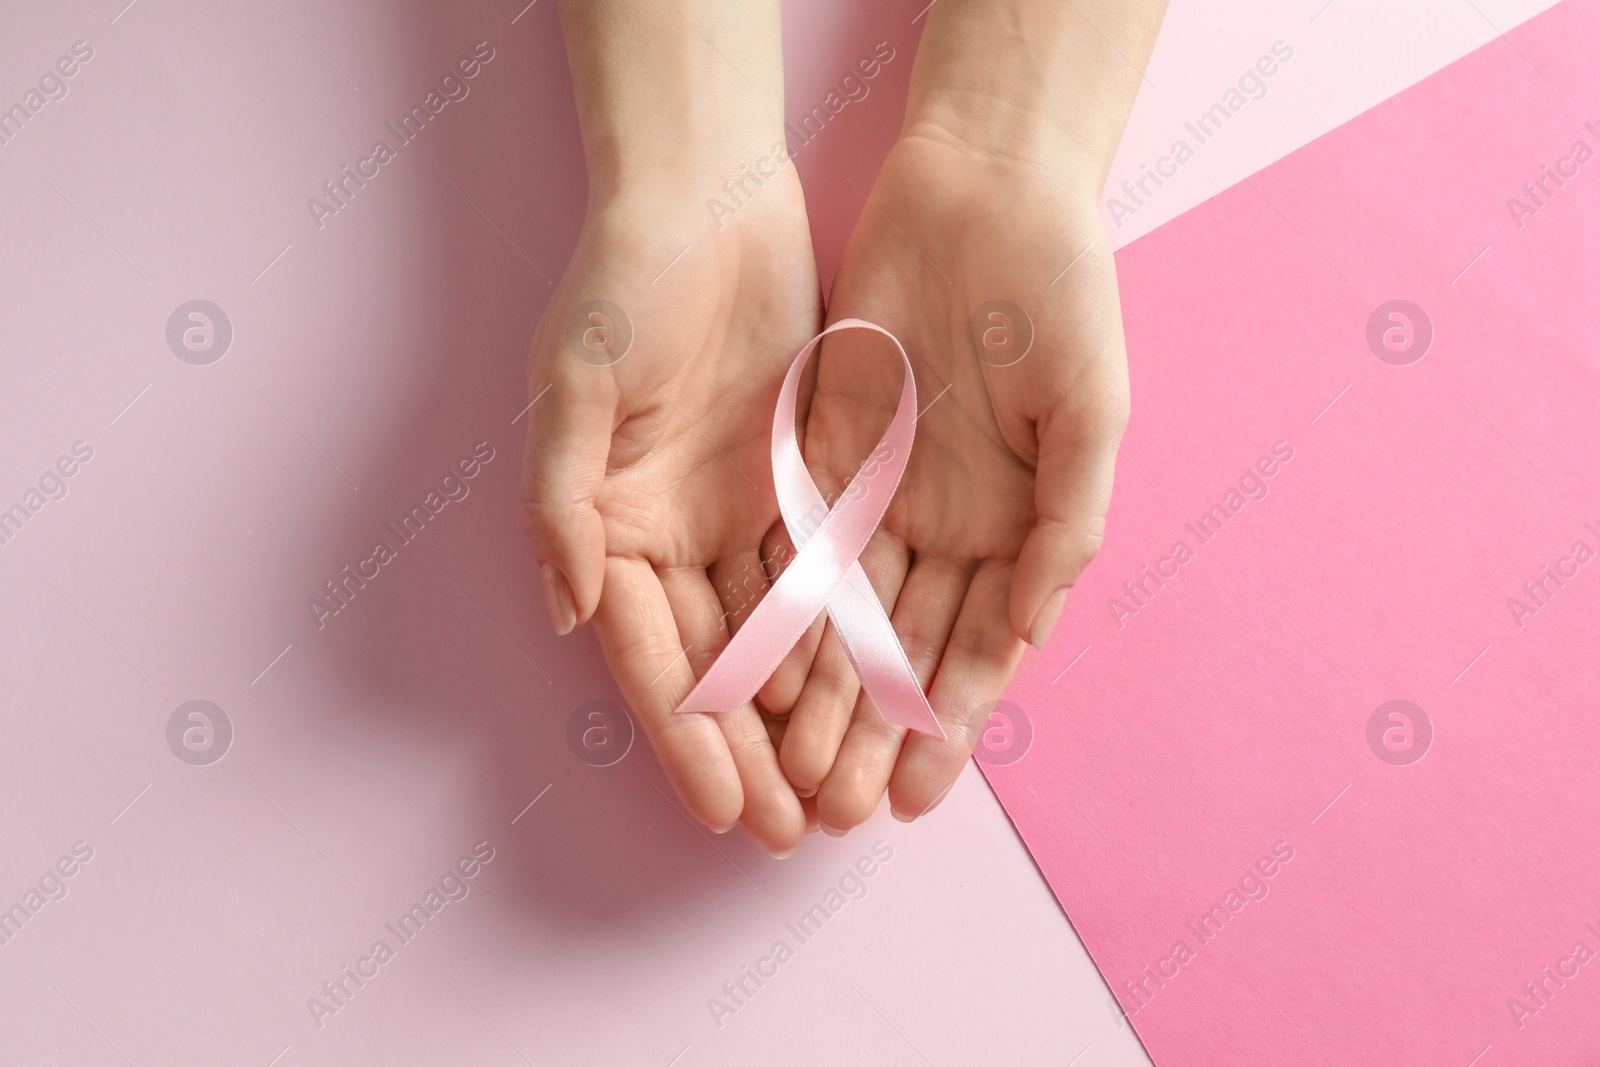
[(1072, 493), (563, 467)]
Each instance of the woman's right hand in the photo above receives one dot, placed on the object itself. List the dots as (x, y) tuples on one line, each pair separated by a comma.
[(647, 484)]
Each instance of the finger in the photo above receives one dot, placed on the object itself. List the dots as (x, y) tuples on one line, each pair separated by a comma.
[(775, 729), (563, 467), (1072, 493), (779, 693), (740, 583), (771, 810), (639, 636), (976, 667), (808, 806), (824, 709), (924, 614)]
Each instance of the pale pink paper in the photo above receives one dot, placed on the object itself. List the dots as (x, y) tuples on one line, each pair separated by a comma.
[(1220, 712)]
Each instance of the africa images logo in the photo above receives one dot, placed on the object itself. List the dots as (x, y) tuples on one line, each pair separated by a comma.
[(52, 86), (199, 732), (52, 485), (852, 885), (452, 488), (451, 887), (199, 332), (1399, 733), (452, 88)]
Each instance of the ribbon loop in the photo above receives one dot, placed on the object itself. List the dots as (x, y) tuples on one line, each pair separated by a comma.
[(824, 573)]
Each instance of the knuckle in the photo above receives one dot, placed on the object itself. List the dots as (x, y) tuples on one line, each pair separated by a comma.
[(534, 528), (542, 521), (980, 644), (1115, 411), (831, 689), (1120, 417), (922, 645), (748, 745), (1092, 538)]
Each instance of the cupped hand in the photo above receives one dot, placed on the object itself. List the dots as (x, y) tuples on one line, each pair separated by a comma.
[(996, 274), (647, 484)]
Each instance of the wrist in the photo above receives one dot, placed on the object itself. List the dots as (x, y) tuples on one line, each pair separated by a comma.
[(683, 159), (675, 91), (715, 194), (1020, 147), (1043, 85)]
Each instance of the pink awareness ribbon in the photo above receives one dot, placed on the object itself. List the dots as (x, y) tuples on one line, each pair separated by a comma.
[(825, 571)]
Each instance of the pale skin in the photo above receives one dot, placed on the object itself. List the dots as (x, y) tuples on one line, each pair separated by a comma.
[(647, 490)]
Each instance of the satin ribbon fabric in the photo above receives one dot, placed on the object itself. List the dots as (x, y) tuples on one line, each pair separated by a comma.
[(824, 572)]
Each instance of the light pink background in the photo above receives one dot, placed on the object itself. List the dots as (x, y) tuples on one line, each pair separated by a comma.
[(367, 357)]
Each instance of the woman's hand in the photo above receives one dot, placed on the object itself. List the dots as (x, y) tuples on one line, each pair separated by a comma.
[(982, 250), (1002, 288), (647, 484)]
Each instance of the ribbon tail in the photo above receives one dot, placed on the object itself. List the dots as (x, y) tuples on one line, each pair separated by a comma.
[(773, 628), (877, 655)]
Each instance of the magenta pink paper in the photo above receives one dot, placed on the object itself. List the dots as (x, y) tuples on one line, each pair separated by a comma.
[(1311, 763)]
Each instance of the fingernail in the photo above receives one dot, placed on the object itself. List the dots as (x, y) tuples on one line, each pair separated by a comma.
[(831, 832), (1045, 621), (931, 805), (807, 794), (783, 855), (934, 803), (558, 600), (724, 829)]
